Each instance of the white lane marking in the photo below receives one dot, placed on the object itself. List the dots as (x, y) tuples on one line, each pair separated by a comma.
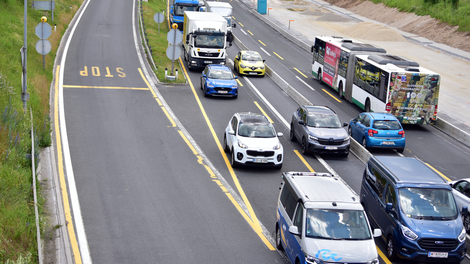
[(265, 51), (243, 31), (77, 214), (311, 88)]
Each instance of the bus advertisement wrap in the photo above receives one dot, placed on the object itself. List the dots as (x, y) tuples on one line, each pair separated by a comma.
[(413, 97), (330, 67)]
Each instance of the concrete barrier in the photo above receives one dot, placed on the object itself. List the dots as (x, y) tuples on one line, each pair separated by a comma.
[(453, 131)]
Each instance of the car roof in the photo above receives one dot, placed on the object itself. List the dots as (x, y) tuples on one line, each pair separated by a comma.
[(408, 171), (250, 52), (218, 66), (249, 117), (382, 116), (319, 109)]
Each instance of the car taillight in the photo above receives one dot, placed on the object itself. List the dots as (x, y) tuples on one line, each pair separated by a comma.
[(402, 133), (388, 107), (435, 111), (371, 132)]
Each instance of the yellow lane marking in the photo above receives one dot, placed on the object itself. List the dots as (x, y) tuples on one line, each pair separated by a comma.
[(252, 220), (438, 172), (331, 95), (303, 160), (382, 256), (187, 142), (250, 32), (262, 42), (278, 56), (241, 24), (104, 87), (63, 186), (238, 81), (300, 72), (264, 113)]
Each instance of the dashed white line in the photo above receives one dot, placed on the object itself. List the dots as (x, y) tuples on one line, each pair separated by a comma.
[(311, 88), (265, 51)]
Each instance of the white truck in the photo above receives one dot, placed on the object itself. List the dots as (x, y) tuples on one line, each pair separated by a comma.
[(205, 39), (223, 8)]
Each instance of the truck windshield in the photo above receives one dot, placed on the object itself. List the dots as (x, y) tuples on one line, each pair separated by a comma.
[(337, 224), (209, 41), (179, 9), (427, 203)]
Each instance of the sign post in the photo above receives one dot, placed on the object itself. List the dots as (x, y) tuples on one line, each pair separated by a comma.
[(173, 52), (43, 46)]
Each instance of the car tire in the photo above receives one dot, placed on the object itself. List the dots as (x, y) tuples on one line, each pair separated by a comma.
[(391, 254), (400, 150), (201, 84), (345, 154), (292, 133), (278, 239), (232, 160), (304, 146), (466, 223), (364, 142), (226, 148), (278, 167)]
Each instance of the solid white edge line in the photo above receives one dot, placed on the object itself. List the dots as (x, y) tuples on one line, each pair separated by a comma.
[(77, 215), (311, 88)]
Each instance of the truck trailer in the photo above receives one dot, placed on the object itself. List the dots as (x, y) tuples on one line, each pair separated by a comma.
[(223, 8)]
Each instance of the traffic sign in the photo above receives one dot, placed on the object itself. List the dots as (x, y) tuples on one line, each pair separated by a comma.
[(158, 17), (174, 37), (43, 46), (173, 52), (43, 30)]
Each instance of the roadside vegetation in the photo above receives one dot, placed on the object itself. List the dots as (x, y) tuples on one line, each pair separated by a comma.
[(453, 12)]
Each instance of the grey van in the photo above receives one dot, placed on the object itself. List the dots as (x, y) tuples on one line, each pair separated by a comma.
[(414, 208)]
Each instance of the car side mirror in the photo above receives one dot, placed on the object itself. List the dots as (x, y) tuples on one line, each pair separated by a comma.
[(279, 134), (204, 75), (464, 210), (264, 61), (236, 57), (236, 77), (389, 208), (377, 232), (294, 230), (231, 132), (345, 124), (234, 25), (301, 122)]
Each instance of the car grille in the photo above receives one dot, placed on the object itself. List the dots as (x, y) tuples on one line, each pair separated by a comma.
[(326, 141), (204, 54), (217, 89), (260, 153), (440, 245)]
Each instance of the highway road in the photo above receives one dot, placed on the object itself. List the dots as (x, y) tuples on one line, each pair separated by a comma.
[(151, 179)]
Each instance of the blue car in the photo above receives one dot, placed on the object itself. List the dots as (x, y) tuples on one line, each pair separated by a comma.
[(218, 80), (378, 130)]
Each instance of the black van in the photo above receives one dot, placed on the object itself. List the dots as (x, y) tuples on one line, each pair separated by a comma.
[(414, 208)]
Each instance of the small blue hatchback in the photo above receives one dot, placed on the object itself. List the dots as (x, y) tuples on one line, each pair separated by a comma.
[(378, 130), (218, 80)]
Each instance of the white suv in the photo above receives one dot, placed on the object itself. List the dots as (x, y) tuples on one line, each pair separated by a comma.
[(320, 219)]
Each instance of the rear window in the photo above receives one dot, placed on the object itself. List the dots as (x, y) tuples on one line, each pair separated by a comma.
[(386, 125)]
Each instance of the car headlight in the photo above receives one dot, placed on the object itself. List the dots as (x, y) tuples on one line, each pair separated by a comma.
[(408, 233), (463, 235), (346, 139), (209, 84), (374, 261), (242, 145), (234, 86), (278, 146), (241, 65), (312, 260), (312, 138), (261, 67)]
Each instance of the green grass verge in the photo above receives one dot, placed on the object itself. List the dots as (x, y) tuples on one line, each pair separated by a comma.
[(453, 12)]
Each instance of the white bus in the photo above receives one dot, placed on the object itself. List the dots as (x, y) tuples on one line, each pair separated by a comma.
[(375, 81)]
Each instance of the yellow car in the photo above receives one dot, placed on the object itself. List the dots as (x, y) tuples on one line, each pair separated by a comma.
[(250, 63)]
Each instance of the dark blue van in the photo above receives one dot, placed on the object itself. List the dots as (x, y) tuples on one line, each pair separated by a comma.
[(414, 208)]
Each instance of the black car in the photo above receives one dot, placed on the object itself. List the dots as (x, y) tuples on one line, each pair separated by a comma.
[(319, 130)]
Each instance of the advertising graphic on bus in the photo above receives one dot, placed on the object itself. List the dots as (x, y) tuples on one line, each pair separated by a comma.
[(375, 81)]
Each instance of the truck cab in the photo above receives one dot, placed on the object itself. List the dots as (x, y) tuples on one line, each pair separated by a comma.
[(178, 8)]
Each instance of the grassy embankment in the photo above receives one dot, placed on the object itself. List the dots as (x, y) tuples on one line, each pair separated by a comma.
[(453, 12)]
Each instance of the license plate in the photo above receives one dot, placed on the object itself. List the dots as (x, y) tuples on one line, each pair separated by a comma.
[(331, 148), (388, 143), (223, 92), (260, 160), (438, 254), (253, 73), (208, 62)]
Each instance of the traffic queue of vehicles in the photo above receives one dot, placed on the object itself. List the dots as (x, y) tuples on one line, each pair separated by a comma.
[(319, 218)]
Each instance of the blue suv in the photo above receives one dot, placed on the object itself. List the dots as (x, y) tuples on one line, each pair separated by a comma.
[(415, 210), (218, 80)]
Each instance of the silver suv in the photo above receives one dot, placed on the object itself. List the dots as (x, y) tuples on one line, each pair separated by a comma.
[(319, 130)]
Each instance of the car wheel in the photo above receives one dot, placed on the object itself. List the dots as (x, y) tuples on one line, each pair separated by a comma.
[(201, 84), (278, 167), (466, 223), (340, 90), (232, 160), (278, 239), (291, 134), (304, 146), (345, 153), (391, 254), (400, 150), (226, 148), (364, 142)]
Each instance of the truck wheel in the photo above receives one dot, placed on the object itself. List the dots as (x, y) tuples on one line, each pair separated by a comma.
[(367, 105), (319, 78), (340, 90)]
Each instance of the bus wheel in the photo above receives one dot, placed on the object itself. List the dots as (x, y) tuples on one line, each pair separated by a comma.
[(340, 90), (319, 78), (367, 105)]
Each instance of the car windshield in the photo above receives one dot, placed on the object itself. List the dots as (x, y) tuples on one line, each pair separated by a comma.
[(337, 224), (386, 125), (257, 130), (323, 121), (427, 203), (220, 74), (251, 57)]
